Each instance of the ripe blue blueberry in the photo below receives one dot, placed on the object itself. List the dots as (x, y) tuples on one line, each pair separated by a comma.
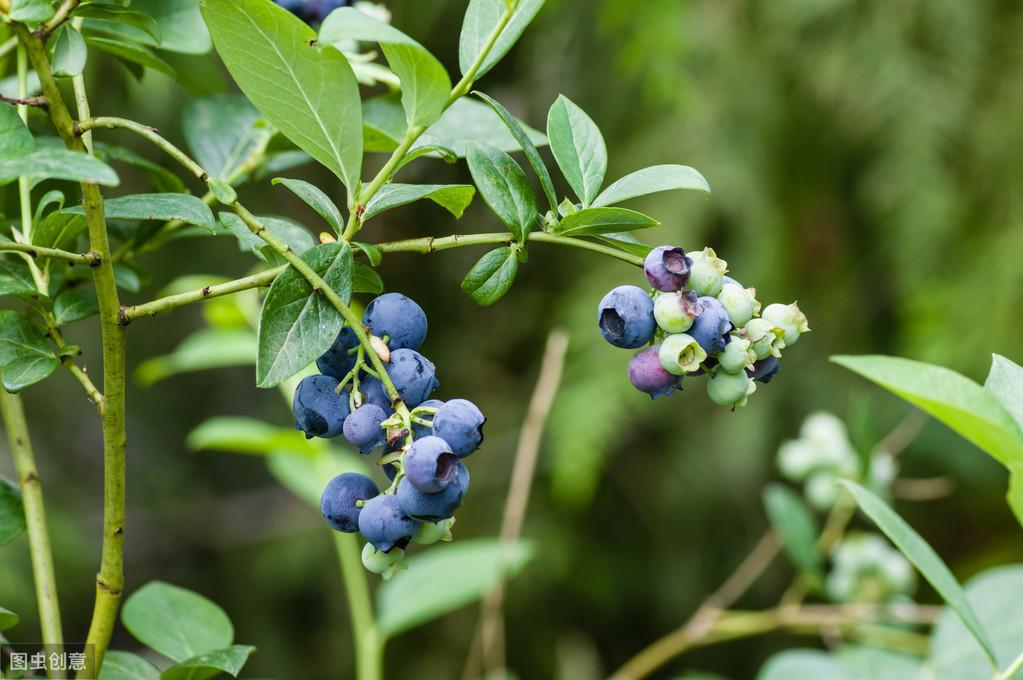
[(362, 427), (312, 11), (710, 328), (675, 312), (338, 502), (764, 369), (413, 375), (459, 422), (420, 430), (706, 273), (336, 361), (626, 317), (730, 389), (680, 354), (430, 465), (433, 507), (788, 318), (373, 392), (648, 375), (319, 410), (667, 268), (740, 303), (398, 318), (383, 523)]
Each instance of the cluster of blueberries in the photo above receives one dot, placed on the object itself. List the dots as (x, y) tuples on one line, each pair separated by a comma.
[(423, 440), (312, 11), (697, 321)]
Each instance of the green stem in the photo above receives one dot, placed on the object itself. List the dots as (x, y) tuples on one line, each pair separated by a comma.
[(88, 259), (7, 46), (110, 579), (81, 96), (35, 517), (369, 646), (1015, 667), (95, 396), (151, 134), (430, 244), (164, 304)]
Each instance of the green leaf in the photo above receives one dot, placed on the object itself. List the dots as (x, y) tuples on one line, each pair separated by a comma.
[(126, 666), (163, 207), (298, 324), (122, 15), (15, 139), (994, 595), (12, 523), (210, 664), (69, 52), (317, 200), (468, 120), (372, 252), (444, 579), (308, 92), (205, 349), (578, 148), (58, 230), (16, 280), (296, 236), (25, 356), (8, 619), (492, 276), (127, 278), (589, 221), (74, 305), (248, 435), (54, 163), (879, 664), (955, 400), (455, 198), (527, 145), (221, 131), (180, 25), (31, 11), (366, 280), (625, 242), (161, 178), (795, 526), (652, 180), (1005, 381), (481, 18), (222, 191), (425, 86), (924, 558), (176, 622), (504, 187), (131, 52), (803, 664)]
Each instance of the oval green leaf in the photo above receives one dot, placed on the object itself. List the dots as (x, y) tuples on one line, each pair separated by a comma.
[(177, 623), (590, 221), (652, 180), (12, 523), (504, 187), (492, 276), (578, 148), (795, 526)]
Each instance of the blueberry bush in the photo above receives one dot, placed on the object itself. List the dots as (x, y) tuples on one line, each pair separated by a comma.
[(374, 447)]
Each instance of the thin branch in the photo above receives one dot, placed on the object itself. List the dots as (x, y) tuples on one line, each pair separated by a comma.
[(37, 102), (91, 259), (164, 304), (59, 17), (150, 133), (430, 244)]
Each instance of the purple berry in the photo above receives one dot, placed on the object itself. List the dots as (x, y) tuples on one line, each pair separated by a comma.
[(459, 422), (764, 369), (338, 502), (319, 410), (383, 523), (648, 375), (430, 465), (626, 317), (362, 427), (710, 329), (667, 268)]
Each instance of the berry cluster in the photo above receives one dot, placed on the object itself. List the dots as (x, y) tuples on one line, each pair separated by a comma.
[(698, 321), (866, 569), (423, 440)]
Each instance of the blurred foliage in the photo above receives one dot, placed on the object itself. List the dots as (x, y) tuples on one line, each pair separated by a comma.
[(863, 156)]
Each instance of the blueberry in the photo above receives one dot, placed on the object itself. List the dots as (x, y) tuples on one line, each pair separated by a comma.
[(420, 430), (459, 422), (434, 507), (648, 375), (373, 392), (711, 327), (336, 362), (730, 389), (626, 317), (768, 339), (680, 354), (362, 427), (740, 303), (383, 523), (385, 563), (319, 410), (413, 375), (764, 369), (667, 268), (397, 317), (312, 11), (737, 355), (788, 318), (338, 502), (707, 272), (430, 465), (675, 312)]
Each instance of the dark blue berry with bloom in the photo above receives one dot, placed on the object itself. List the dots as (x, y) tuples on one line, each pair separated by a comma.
[(384, 524), (398, 319), (430, 465), (460, 422), (336, 361), (362, 427), (413, 375), (626, 317), (433, 507), (710, 328), (319, 410), (340, 500)]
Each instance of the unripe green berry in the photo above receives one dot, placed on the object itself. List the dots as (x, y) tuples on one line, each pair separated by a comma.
[(789, 319), (429, 532), (740, 303), (821, 490), (738, 355), (680, 354), (675, 312), (384, 563), (707, 272), (730, 389), (767, 339)]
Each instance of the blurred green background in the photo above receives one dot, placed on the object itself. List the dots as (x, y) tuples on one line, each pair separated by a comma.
[(865, 159)]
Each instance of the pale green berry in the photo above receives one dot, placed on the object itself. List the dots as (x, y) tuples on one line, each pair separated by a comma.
[(796, 459), (429, 532), (384, 563), (788, 318), (882, 470), (675, 312), (730, 389), (680, 354), (740, 303), (821, 490), (707, 273), (738, 355), (768, 339)]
